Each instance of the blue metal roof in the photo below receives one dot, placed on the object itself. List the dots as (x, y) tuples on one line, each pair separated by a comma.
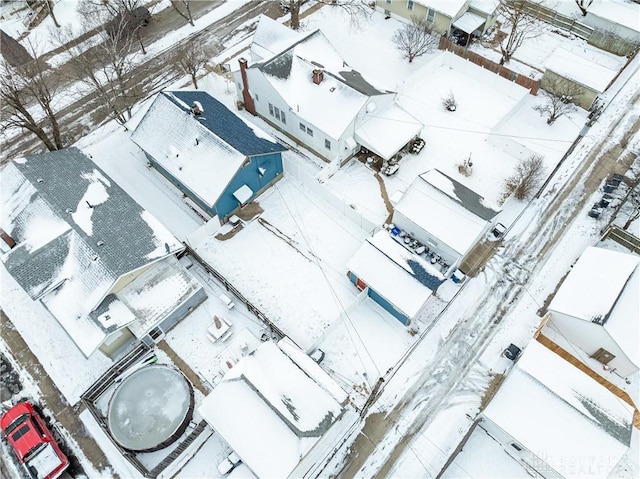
[(225, 124)]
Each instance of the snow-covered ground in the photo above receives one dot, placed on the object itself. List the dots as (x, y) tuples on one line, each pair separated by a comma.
[(296, 274)]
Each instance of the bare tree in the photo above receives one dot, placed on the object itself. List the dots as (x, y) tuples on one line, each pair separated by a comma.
[(415, 39), (521, 24), (356, 9), (583, 5), (449, 102), (107, 69), (122, 18), (525, 180), (191, 59), (49, 4), (560, 95), (183, 7), (28, 93)]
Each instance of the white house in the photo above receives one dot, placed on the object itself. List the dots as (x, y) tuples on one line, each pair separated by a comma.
[(274, 408), (302, 86), (444, 215), (445, 16), (557, 421), (597, 308)]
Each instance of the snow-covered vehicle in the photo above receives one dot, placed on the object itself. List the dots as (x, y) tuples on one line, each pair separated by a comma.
[(32, 442)]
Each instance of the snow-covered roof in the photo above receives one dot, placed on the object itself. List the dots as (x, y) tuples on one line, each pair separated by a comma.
[(271, 410), (156, 293), (403, 278), (77, 232), (203, 151), (485, 6), (447, 209), (469, 22), (570, 421), (622, 13), (603, 287), (270, 38), (331, 105), (386, 131), (447, 7), (580, 67)]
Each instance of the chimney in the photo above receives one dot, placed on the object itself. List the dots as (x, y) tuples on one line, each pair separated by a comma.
[(196, 108), (317, 76), (7, 239), (246, 97)]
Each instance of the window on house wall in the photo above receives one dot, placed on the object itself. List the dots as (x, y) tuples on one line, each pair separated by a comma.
[(283, 117), (327, 144), (302, 127), (410, 5), (387, 1), (257, 99), (309, 131), (277, 115), (270, 109), (431, 15), (516, 447)]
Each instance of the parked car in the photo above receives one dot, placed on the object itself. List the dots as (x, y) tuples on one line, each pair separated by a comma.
[(512, 352), (228, 463), (32, 442)]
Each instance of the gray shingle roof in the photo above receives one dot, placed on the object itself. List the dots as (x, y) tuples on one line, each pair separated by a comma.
[(61, 180), (469, 199)]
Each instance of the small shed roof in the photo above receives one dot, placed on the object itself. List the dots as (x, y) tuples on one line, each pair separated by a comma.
[(446, 209), (77, 233), (603, 287), (560, 414), (205, 151), (403, 278), (288, 408), (386, 131), (580, 67)]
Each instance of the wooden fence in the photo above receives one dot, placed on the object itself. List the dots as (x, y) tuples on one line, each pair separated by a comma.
[(531, 84)]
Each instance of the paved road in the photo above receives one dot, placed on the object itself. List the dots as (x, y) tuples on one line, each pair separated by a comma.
[(442, 375), (153, 74)]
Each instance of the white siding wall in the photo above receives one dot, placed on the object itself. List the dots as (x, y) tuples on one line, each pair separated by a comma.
[(590, 337), (534, 465), (442, 249)]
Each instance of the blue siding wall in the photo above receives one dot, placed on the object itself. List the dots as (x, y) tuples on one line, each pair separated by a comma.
[(386, 305), (248, 175), (208, 208)]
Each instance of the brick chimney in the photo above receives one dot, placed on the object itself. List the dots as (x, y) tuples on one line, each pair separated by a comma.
[(7, 239), (317, 76), (246, 97)]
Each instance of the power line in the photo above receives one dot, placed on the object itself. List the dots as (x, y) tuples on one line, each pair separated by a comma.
[(331, 288)]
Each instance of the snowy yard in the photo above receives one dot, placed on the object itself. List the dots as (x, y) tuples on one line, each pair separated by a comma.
[(291, 261)]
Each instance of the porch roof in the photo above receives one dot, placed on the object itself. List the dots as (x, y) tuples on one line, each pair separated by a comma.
[(469, 22), (387, 131)]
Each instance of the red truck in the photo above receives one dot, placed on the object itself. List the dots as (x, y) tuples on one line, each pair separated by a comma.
[(32, 442)]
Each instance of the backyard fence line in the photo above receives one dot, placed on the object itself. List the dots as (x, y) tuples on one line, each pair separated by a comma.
[(310, 180), (504, 72)]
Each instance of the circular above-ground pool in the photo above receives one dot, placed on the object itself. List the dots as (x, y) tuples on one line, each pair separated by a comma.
[(150, 409)]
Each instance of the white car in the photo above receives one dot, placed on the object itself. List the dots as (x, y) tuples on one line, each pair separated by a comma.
[(229, 462)]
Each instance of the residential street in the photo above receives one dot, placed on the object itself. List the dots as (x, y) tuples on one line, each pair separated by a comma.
[(521, 257), (155, 73)]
